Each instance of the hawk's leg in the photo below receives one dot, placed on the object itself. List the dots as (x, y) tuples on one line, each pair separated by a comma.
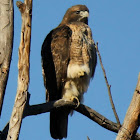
[(71, 93), (75, 100)]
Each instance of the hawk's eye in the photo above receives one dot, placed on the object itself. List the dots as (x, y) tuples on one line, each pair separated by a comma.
[(77, 12)]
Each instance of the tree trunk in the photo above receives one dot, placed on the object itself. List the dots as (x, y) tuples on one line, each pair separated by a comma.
[(23, 67), (6, 44), (131, 121)]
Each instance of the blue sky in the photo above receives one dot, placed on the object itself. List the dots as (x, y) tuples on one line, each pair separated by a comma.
[(116, 26)]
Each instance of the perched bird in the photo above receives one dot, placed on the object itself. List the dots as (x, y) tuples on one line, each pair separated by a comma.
[(68, 63)]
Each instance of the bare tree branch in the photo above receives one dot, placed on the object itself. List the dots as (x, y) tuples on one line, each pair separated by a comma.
[(47, 107), (4, 132), (6, 44), (131, 121), (23, 66), (108, 86), (98, 118), (88, 138), (85, 110), (132, 118)]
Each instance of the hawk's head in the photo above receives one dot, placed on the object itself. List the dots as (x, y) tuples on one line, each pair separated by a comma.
[(76, 13)]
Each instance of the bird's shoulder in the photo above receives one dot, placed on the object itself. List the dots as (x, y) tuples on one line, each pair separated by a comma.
[(56, 39), (61, 31)]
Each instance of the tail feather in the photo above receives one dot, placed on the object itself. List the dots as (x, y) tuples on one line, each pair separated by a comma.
[(59, 123)]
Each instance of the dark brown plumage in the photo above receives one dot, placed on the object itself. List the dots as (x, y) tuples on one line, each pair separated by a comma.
[(68, 62)]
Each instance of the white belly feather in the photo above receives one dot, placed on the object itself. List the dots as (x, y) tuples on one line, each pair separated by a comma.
[(77, 83), (76, 71)]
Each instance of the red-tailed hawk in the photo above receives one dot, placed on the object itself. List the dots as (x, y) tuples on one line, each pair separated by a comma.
[(68, 62)]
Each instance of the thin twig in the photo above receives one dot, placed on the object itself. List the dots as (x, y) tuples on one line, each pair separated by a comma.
[(108, 86)]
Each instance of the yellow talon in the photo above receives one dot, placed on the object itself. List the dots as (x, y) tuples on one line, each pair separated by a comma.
[(75, 100)]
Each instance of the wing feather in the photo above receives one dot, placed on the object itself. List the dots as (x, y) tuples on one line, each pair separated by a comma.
[(55, 59), (93, 59)]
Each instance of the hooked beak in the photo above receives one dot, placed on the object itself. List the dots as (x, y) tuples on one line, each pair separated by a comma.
[(84, 14)]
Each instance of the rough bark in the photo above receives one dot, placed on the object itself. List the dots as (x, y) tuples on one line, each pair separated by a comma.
[(23, 67), (131, 121), (6, 44)]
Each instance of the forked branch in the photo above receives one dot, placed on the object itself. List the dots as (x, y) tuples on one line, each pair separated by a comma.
[(85, 110)]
